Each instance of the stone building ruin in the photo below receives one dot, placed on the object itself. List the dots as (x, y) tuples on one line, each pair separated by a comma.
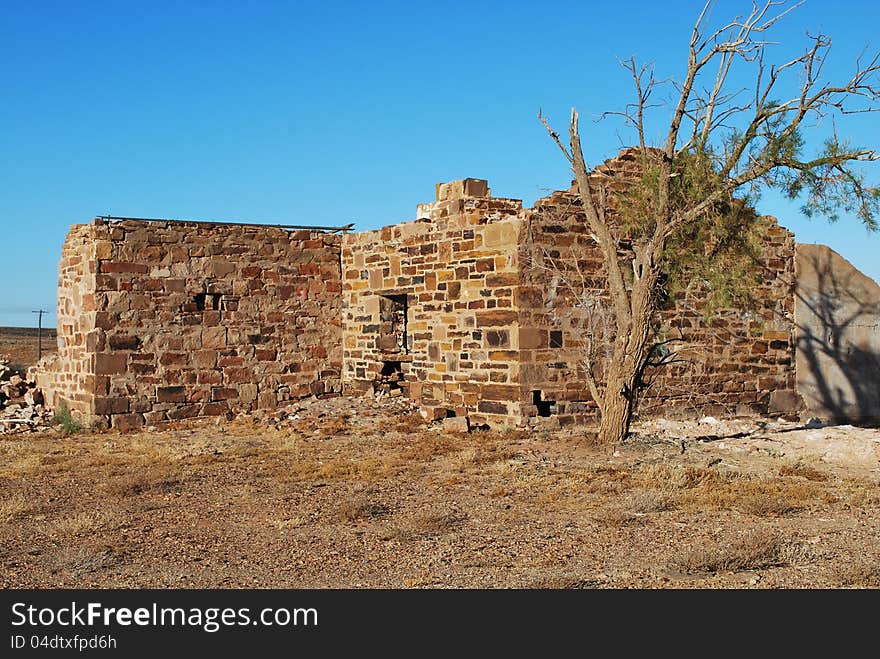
[(166, 320)]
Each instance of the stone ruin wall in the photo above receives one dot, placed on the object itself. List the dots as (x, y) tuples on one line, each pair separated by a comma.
[(193, 319), (495, 338), (457, 266), (67, 375), (166, 320), (737, 361)]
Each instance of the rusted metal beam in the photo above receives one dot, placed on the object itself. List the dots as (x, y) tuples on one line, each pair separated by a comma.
[(343, 229)]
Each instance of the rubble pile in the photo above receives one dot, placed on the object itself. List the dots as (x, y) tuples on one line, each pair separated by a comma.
[(318, 411), (21, 402)]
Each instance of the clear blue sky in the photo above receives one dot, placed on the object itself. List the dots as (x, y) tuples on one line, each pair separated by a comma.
[(328, 112)]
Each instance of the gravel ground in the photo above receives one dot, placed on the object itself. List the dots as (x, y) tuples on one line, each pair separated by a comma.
[(355, 492)]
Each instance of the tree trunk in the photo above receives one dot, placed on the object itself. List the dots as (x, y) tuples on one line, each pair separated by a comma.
[(616, 417), (626, 364)]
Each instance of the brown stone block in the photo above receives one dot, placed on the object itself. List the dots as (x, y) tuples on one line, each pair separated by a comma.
[(174, 359), (223, 393), (210, 377), (204, 358), (237, 375), (502, 279), (124, 342), (265, 354), (110, 364), (105, 320), (127, 422), (215, 409), (776, 336), (214, 337), (152, 418), (171, 394), (496, 318), (115, 405), (267, 400), (117, 266), (500, 392), (184, 412), (490, 407), (533, 338)]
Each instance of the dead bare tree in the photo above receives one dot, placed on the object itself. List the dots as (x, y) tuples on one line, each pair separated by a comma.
[(717, 143)]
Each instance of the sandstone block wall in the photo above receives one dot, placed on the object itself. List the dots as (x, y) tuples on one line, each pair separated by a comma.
[(68, 375), (736, 360), (186, 319), (457, 269), (492, 331)]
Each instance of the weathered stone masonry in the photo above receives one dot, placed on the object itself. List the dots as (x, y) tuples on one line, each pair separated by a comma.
[(493, 335), (168, 320)]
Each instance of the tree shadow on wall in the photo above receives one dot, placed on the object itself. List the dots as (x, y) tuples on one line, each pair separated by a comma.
[(838, 339)]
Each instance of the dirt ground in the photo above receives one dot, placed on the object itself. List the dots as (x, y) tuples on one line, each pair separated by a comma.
[(20, 344), (352, 493)]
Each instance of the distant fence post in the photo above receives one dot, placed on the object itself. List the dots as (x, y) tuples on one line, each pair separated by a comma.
[(39, 313)]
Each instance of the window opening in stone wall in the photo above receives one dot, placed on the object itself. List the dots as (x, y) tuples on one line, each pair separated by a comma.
[(545, 407), (555, 338), (393, 311), (208, 301)]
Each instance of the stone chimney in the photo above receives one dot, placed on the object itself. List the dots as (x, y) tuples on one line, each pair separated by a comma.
[(462, 188)]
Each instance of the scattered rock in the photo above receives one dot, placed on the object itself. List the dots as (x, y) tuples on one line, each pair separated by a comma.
[(456, 424), (21, 402)]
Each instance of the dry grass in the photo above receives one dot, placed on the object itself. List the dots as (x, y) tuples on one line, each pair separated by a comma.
[(12, 507), (83, 559), (81, 523), (649, 501), (803, 470), (134, 478), (617, 516), (860, 572), (428, 524), (758, 550), (359, 509)]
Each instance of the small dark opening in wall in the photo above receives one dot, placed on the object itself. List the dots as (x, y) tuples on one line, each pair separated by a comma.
[(555, 338), (208, 301), (390, 377), (545, 407)]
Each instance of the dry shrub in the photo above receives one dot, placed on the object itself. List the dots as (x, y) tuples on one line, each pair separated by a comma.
[(428, 446), (326, 426), (649, 501), (428, 524), (358, 509), (84, 558), (564, 583), (861, 572), (13, 507), (769, 505), (133, 479), (696, 488), (617, 516), (758, 550), (81, 522), (804, 471), (368, 469), (407, 423)]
